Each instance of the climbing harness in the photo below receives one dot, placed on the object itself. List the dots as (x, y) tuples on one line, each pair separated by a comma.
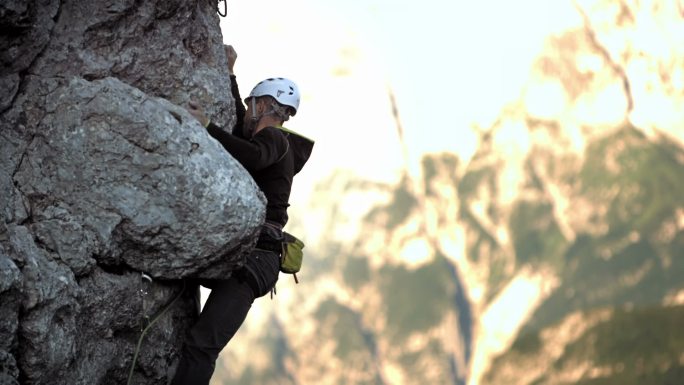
[(290, 257), (225, 8), (146, 281)]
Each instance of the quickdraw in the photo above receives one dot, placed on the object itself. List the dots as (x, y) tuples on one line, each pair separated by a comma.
[(144, 291)]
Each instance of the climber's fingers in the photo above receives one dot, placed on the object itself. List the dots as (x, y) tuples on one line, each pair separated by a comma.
[(230, 52), (231, 55)]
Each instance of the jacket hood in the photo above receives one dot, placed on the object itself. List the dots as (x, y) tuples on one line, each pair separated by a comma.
[(300, 145)]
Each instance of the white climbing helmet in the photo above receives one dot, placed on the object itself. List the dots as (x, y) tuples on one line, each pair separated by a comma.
[(284, 91)]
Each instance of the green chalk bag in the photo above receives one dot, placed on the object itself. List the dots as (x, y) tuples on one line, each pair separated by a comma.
[(292, 255)]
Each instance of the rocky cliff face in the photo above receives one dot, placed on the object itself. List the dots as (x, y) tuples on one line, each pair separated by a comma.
[(103, 177), (553, 256)]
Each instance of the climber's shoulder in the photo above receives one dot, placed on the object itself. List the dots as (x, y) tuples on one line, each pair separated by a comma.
[(274, 136)]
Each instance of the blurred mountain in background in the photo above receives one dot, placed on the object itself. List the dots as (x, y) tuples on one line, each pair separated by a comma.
[(555, 255)]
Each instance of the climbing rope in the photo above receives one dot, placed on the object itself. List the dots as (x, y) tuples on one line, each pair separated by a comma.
[(225, 8), (145, 277)]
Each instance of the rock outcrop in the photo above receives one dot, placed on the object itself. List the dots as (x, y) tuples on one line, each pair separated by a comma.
[(104, 176)]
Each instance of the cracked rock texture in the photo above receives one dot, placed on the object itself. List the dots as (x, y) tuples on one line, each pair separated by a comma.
[(103, 175)]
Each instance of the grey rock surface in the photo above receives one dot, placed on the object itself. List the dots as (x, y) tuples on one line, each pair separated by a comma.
[(103, 177)]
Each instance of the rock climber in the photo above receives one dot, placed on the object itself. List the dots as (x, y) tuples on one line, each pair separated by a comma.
[(272, 155)]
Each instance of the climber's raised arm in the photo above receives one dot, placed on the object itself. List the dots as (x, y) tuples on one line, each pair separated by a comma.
[(231, 56)]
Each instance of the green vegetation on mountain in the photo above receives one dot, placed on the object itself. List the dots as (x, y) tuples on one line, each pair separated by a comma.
[(631, 262), (474, 178), (630, 257), (479, 184), (637, 180), (274, 344), (344, 326), (429, 365), (640, 346), (633, 276), (356, 272), (536, 235), (436, 165), (528, 343), (402, 203), (416, 299), (354, 345), (644, 343), (483, 241)]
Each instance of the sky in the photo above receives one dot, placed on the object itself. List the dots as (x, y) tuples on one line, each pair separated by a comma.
[(451, 66)]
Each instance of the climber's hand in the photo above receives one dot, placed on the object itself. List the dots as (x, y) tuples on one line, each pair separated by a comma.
[(231, 55), (196, 110)]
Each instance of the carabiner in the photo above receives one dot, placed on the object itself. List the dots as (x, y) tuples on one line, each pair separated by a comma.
[(225, 8)]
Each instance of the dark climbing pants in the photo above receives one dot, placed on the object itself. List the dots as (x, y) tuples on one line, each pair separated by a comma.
[(223, 313)]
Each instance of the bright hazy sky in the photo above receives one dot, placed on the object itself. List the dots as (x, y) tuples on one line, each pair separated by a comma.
[(450, 64)]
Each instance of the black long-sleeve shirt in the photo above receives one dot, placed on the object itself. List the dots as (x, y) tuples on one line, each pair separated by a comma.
[(272, 157)]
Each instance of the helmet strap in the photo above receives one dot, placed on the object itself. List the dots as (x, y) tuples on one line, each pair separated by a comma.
[(254, 113)]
